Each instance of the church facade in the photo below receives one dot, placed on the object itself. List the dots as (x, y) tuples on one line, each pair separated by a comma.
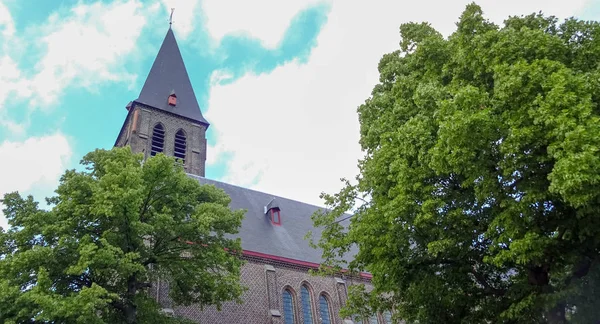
[(166, 118)]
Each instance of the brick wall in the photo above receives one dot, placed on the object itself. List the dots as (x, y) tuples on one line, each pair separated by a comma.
[(140, 140), (266, 280), (263, 300)]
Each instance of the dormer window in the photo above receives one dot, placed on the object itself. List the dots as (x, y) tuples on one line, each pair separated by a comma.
[(273, 211), (173, 99), (276, 216)]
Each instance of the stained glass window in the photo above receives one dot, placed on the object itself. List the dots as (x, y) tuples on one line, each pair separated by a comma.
[(324, 310), (288, 307), (373, 319), (388, 317), (306, 306)]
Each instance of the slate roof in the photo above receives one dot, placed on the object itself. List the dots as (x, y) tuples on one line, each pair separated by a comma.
[(257, 232), (168, 75)]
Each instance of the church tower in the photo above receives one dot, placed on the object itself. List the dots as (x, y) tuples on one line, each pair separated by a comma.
[(166, 117)]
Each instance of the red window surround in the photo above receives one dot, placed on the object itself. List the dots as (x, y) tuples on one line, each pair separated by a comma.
[(172, 100), (275, 217)]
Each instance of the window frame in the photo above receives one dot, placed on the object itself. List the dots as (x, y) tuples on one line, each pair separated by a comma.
[(292, 294), (329, 310), (374, 317), (172, 101), (179, 135), (311, 307), (387, 317), (161, 128), (276, 220)]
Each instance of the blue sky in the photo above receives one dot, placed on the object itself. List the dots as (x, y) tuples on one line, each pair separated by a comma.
[(279, 81)]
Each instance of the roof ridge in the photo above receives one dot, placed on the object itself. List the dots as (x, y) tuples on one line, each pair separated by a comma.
[(258, 191)]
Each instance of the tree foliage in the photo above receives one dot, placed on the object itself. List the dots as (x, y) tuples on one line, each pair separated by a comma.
[(481, 175), (112, 230)]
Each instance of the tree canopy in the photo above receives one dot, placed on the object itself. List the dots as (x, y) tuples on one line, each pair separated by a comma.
[(480, 182), (111, 231)]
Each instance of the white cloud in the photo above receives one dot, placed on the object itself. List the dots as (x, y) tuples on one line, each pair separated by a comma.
[(14, 128), (294, 132), (7, 25), (266, 20), (82, 47), (184, 18), (33, 166), (87, 46), (12, 80), (219, 76)]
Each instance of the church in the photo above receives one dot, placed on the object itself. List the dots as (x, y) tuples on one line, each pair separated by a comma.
[(166, 118)]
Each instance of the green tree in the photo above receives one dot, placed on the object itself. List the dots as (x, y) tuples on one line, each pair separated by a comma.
[(112, 230), (480, 183)]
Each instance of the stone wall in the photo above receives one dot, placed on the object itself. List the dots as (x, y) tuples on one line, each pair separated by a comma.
[(139, 138)]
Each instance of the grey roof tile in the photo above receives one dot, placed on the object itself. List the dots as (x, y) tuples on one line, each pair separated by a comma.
[(257, 232), (168, 75)]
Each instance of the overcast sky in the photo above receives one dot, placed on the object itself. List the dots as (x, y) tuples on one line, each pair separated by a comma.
[(279, 81)]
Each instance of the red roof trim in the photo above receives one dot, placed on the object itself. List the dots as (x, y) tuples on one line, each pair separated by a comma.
[(287, 260), (293, 261)]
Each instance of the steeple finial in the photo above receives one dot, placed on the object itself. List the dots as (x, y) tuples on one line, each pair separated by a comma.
[(171, 17)]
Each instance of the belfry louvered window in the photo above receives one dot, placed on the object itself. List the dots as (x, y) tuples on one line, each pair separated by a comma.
[(180, 145), (158, 140)]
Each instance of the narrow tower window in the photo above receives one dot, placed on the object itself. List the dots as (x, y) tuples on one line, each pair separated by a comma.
[(158, 139), (180, 145)]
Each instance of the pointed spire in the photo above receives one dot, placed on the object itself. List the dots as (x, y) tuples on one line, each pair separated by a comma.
[(168, 75)]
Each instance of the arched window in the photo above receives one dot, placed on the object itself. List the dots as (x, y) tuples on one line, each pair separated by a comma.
[(306, 305), (180, 145), (158, 139), (324, 310), (387, 315), (288, 307), (373, 319)]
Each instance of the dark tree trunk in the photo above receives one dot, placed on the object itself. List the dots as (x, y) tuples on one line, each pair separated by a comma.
[(130, 308), (557, 315), (540, 276)]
